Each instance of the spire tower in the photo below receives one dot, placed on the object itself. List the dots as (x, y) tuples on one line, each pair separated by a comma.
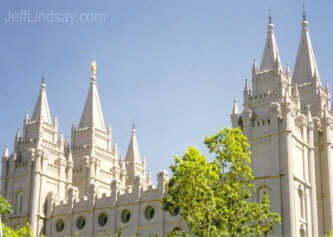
[(92, 115), (270, 58), (133, 153), (306, 67), (235, 108), (5, 152), (41, 110)]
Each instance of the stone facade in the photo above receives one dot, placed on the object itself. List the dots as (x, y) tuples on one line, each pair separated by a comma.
[(83, 186), (288, 120)]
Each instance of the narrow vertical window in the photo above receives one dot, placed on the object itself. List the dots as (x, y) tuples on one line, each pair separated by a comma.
[(19, 202), (301, 203)]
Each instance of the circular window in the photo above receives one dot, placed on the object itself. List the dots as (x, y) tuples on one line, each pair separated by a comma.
[(175, 211), (125, 216), (81, 222), (149, 212), (60, 225), (102, 219)]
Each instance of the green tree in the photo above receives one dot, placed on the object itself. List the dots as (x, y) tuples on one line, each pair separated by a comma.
[(5, 207), (330, 234), (214, 197), (25, 231)]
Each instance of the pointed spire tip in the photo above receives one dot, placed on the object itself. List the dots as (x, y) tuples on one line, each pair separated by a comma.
[(270, 16), (92, 115), (270, 59), (133, 128), (133, 153), (43, 82), (235, 108), (246, 87), (304, 13), (5, 152), (42, 110), (305, 69), (18, 132)]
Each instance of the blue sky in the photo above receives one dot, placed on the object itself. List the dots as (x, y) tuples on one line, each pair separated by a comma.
[(171, 66)]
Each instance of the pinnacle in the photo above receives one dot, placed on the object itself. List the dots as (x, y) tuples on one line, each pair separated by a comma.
[(133, 153), (92, 115), (305, 69), (41, 110), (235, 108), (270, 58)]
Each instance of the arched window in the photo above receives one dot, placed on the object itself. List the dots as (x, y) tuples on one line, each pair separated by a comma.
[(19, 202), (301, 203), (262, 190)]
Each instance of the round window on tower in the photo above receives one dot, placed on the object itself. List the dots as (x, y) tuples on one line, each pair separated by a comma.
[(125, 216), (102, 219), (60, 225), (149, 212), (81, 222)]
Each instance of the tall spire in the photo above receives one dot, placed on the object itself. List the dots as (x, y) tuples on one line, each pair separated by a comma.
[(41, 110), (247, 87), (287, 69), (5, 152), (92, 115), (306, 67), (17, 136), (133, 154), (70, 157), (235, 108), (270, 59)]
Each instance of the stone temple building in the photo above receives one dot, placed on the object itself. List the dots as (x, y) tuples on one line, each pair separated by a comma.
[(288, 120), (85, 187)]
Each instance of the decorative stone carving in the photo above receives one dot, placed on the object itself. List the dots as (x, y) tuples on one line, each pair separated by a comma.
[(276, 109)]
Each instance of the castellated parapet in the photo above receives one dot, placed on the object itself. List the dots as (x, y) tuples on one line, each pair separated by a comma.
[(138, 203)]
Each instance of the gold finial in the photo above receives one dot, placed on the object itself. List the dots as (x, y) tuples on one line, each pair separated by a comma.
[(93, 68)]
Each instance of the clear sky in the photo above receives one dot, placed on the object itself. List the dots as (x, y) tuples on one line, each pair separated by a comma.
[(172, 66)]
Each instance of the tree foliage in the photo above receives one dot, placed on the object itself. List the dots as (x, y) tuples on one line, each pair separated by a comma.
[(25, 231), (5, 207), (329, 234), (214, 197)]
